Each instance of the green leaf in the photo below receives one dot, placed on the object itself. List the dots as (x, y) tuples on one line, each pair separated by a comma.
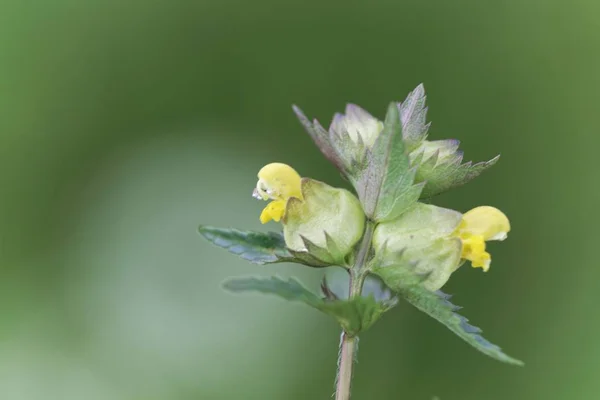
[(355, 315), (386, 187), (256, 247), (290, 290), (438, 306), (440, 176)]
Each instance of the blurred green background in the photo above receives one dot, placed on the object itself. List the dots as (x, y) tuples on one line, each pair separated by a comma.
[(125, 124)]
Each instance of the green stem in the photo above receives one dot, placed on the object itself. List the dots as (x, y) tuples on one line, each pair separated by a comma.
[(348, 342), (345, 363)]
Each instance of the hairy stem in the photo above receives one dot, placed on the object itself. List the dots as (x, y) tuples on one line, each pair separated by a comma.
[(348, 342), (344, 378)]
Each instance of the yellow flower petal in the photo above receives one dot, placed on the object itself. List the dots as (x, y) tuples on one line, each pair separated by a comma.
[(278, 182), (479, 225), (474, 251), (273, 211), (486, 221)]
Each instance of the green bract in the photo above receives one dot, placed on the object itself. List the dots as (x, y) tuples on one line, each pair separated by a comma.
[(439, 166), (351, 145)]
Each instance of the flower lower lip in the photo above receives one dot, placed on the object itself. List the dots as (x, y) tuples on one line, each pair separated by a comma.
[(499, 236), (256, 195)]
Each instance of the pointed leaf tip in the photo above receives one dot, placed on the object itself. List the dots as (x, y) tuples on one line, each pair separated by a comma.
[(413, 112), (321, 139), (256, 247), (438, 306), (450, 173), (419, 90)]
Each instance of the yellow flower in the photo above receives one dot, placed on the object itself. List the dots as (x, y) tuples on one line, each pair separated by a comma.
[(478, 226), (278, 182), (314, 215)]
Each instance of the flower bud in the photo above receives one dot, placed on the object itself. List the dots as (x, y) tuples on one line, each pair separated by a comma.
[(358, 124), (348, 139), (445, 149), (439, 166)]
